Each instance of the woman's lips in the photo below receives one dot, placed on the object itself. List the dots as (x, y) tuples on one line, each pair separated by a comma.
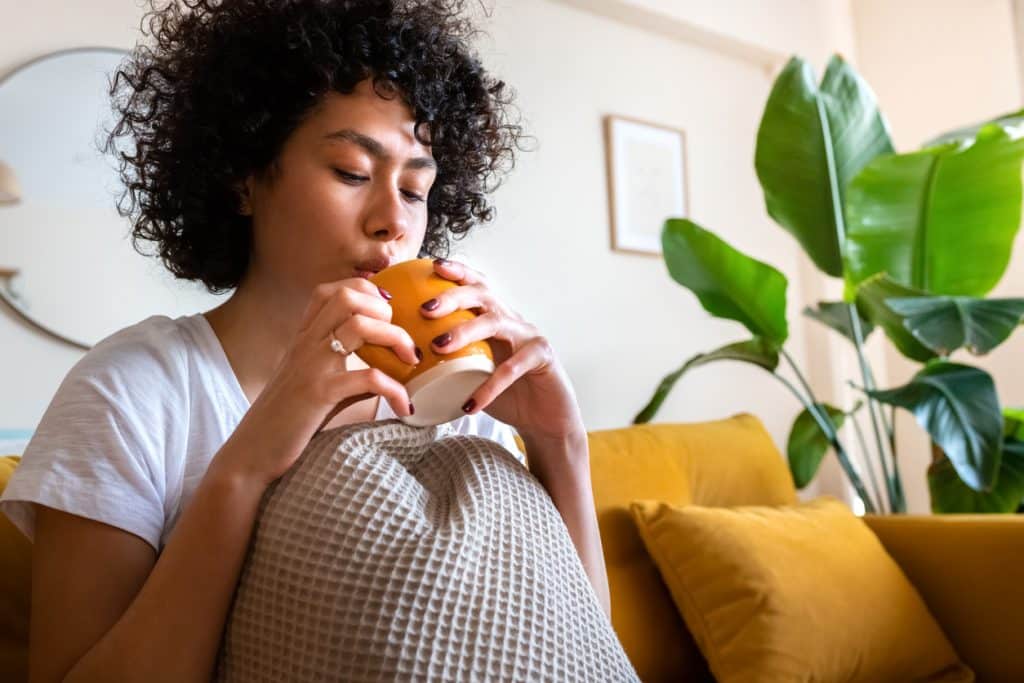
[(370, 267)]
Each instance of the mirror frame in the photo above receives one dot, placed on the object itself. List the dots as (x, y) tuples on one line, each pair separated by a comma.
[(7, 272)]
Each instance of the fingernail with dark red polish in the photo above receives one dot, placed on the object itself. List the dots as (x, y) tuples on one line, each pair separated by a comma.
[(385, 293), (412, 409), (468, 405), (419, 354), (442, 339), (430, 305), (441, 261)]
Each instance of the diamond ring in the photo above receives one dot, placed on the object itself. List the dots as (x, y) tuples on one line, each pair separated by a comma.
[(337, 346)]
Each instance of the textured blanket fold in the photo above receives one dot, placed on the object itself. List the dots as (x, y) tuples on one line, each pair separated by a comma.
[(397, 553)]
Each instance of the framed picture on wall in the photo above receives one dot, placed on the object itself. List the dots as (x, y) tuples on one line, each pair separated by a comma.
[(647, 181)]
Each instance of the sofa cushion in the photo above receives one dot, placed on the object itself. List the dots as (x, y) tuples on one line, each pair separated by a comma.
[(794, 592), (15, 588), (721, 462)]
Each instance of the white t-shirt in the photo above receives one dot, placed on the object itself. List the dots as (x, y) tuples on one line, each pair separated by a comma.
[(130, 432)]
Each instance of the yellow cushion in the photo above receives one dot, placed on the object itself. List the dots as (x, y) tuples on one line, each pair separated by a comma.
[(795, 592), (15, 589), (625, 464), (732, 461)]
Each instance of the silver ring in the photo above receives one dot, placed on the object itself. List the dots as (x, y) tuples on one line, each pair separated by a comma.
[(337, 346)]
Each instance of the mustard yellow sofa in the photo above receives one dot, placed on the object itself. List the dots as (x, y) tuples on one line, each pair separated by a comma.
[(968, 568)]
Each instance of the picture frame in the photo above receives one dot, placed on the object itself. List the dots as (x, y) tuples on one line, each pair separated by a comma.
[(648, 181)]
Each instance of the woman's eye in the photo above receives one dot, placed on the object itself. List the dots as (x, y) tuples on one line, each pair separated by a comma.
[(353, 178), (350, 176)]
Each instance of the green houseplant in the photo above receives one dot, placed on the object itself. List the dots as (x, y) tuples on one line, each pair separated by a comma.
[(918, 238)]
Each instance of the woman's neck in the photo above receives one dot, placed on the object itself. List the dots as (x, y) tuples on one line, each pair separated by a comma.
[(256, 325)]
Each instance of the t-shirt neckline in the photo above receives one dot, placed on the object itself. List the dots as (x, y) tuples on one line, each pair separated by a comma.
[(221, 359)]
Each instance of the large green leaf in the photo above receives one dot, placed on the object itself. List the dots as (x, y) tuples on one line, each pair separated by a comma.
[(810, 143), (945, 323), (757, 351), (942, 220), (728, 283), (871, 302), (807, 444), (958, 407), (836, 314), (949, 494)]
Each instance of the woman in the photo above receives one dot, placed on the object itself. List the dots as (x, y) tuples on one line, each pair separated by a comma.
[(284, 149)]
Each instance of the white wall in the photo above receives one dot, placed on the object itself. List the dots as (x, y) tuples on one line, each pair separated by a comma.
[(813, 28), (936, 65), (617, 320)]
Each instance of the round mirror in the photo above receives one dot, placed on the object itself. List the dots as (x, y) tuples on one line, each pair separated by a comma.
[(67, 265)]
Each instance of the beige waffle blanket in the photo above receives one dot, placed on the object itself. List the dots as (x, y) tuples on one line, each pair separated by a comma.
[(398, 553)]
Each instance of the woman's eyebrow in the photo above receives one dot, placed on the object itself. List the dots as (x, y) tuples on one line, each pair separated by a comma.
[(375, 149)]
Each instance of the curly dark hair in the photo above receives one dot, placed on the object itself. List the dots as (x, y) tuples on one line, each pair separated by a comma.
[(225, 83)]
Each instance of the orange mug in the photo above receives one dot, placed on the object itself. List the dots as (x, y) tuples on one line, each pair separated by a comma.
[(440, 383)]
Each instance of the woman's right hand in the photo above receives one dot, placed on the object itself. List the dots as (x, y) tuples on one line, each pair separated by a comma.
[(312, 384)]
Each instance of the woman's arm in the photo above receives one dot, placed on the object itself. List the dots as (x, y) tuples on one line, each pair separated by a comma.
[(529, 391), (106, 608), (563, 468)]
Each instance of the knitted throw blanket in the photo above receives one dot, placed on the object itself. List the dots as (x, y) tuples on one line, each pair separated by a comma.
[(397, 553)]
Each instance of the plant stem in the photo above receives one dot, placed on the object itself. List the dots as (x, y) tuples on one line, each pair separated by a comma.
[(867, 464), (799, 375), (888, 423), (892, 431), (824, 423), (898, 482), (865, 371), (824, 415)]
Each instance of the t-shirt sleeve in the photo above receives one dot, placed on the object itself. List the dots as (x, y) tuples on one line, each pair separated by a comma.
[(99, 450)]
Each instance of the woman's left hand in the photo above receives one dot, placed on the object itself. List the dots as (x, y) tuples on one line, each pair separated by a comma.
[(529, 389)]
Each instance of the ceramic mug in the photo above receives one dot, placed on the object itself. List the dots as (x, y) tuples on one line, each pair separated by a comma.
[(439, 384)]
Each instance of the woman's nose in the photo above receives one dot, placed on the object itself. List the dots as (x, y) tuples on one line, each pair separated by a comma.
[(388, 219)]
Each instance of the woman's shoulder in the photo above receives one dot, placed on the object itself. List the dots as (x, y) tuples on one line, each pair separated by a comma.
[(106, 443), (155, 348), (144, 364), (158, 336)]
